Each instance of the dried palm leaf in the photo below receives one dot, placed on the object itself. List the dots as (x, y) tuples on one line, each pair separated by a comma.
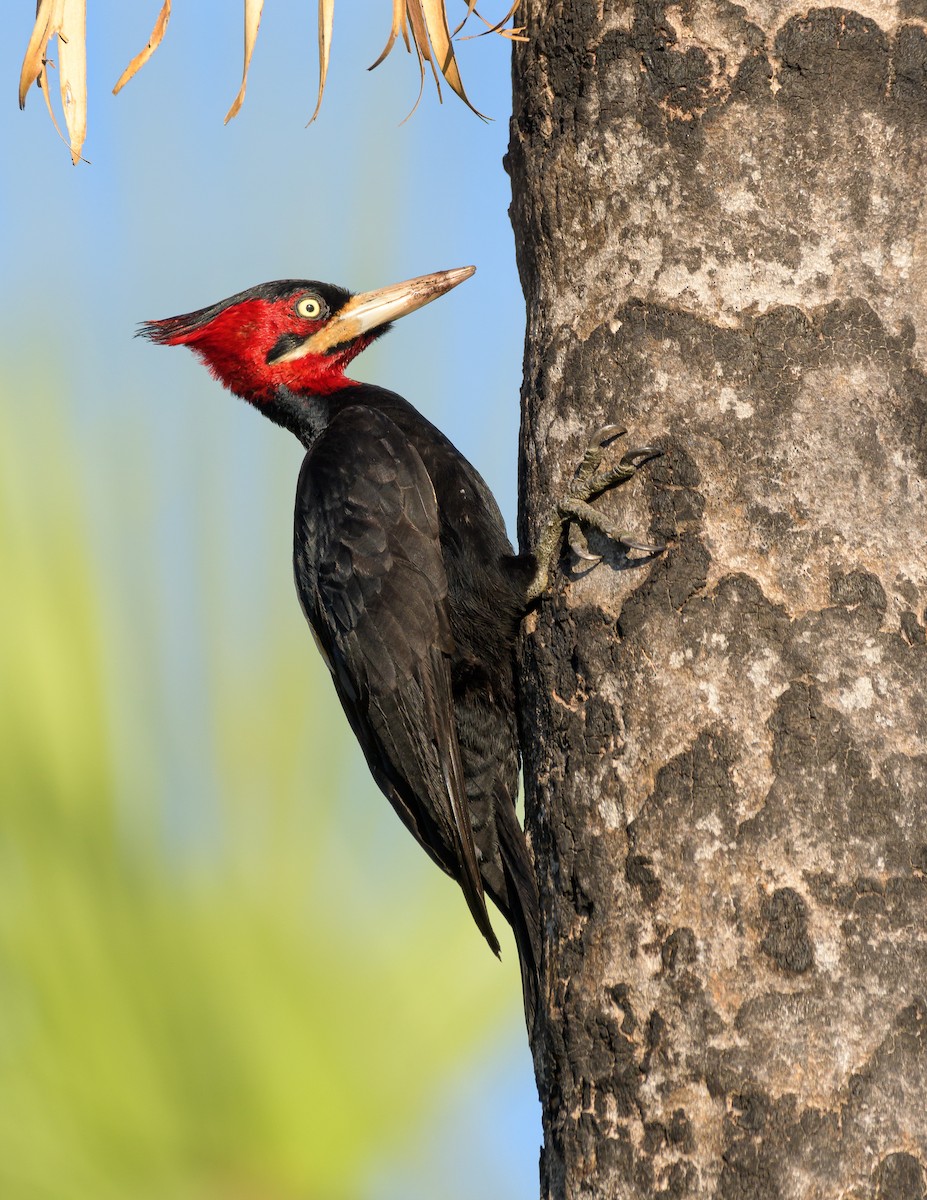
[(47, 23), (420, 41), (440, 37), (253, 10), (514, 33), (398, 26), (72, 72), (414, 43), (431, 40), (153, 43), (66, 20), (423, 25), (326, 17), (471, 9)]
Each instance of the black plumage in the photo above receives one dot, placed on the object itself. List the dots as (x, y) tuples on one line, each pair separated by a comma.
[(404, 573), (409, 582)]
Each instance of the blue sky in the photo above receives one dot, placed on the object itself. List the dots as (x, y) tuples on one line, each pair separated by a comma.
[(176, 211)]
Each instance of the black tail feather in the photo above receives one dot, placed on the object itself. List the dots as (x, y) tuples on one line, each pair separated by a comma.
[(521, 907)]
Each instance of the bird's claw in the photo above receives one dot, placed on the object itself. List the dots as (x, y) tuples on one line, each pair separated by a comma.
[(574, 508), (580, 546), (588, 485), (642, 454), (645, 547), (607, 434), (595, 452)]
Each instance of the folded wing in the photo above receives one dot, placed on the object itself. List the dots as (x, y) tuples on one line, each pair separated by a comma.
[(372, 583)]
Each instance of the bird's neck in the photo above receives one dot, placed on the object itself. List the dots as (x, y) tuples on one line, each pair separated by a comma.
[(307, 413), (304, 414)]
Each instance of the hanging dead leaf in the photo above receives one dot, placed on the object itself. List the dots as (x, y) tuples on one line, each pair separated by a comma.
[(515, 33), (46, 92), (440, 37), (412, 45), (326, 17), (471, 9), (431, 40), (72, 71), (420, 39), (253, 10), (153, 43), (66, 20), (47, 23), (423, 25), (399, 23)]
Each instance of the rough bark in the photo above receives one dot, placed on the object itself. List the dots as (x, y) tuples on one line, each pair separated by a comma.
[(722, 236)]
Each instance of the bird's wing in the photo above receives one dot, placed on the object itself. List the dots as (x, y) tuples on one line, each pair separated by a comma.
[(372, 583)]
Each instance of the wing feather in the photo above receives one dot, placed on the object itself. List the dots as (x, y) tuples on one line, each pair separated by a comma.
[(372, 583)]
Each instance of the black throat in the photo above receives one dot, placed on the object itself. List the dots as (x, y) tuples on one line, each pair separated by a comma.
[(304, 414)]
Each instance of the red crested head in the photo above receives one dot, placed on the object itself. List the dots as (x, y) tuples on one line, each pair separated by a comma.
[(294, 334), (242, 339)]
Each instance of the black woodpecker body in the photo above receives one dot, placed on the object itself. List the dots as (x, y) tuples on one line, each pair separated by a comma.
[(405, 575)]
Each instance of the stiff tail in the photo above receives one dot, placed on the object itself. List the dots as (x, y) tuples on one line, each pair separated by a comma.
[(521, 907)]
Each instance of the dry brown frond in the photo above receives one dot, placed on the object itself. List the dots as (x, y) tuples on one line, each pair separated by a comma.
[(326, 17), (66, 20), (514, 33), (72, 72), (253, 10), (431, 40), (398, 26), (153, 43), (423, 25)]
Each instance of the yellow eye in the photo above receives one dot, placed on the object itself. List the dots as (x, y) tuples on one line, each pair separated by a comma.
[(310, 307)]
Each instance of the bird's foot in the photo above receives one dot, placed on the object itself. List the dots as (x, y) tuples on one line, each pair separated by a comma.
[(574, 509)]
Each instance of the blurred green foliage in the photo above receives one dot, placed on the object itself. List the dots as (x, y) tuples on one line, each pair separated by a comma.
[(191, 1019)]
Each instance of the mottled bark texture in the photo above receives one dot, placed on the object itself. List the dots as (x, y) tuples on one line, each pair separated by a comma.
[(722, 235)]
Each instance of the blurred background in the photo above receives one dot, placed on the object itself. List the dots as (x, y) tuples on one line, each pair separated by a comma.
[(226, 971)]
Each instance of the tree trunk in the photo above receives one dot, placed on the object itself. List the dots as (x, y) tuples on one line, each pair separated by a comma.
[(722, 240)]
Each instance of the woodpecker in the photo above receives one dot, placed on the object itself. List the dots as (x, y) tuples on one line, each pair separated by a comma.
[(404, 573)]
